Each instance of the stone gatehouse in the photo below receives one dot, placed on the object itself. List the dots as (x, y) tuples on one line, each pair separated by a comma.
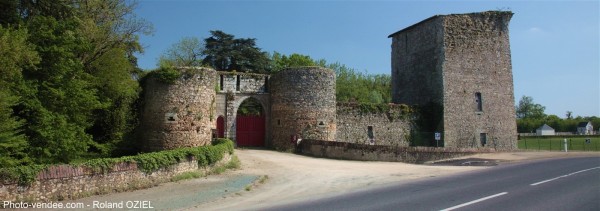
[(459, 65), (203, 104)]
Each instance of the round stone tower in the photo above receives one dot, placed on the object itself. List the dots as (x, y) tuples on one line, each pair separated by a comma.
[(302, 106), (179, 113)]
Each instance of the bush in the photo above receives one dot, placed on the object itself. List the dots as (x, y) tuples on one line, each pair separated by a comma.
[(166, 75), (147, 162)]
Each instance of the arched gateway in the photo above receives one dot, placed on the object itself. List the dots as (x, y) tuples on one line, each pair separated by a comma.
[(296, 103), (235, 89)]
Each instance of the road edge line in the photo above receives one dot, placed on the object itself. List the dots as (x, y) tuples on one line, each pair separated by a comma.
[(566, 175), (474, 201)]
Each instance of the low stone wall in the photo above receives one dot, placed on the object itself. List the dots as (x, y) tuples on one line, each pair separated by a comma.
[(389, 126), (351, 151), (65, 182)]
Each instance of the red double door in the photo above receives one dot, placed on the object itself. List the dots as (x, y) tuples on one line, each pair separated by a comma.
[(250, 131)]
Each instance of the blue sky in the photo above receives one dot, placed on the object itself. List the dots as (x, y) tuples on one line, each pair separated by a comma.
[(555, 44)]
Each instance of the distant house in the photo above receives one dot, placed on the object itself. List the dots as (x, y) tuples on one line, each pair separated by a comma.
[(585, 128), (545, 130)]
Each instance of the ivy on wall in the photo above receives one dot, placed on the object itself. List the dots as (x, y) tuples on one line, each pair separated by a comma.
[(147, 162), (393, 111)]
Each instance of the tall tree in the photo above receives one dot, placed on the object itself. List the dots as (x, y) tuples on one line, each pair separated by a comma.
[(61, 98), (528, 109), (280, 61), (354, 86), (569, 115), (9, 12), (79, 98), (226, 53), (15, 53), (110, 29), (188, 52), (110, 24)]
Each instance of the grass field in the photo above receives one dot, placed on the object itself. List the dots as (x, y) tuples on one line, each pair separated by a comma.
[(557, 143)]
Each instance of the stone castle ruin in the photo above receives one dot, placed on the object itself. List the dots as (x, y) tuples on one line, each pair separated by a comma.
[(457, 65)]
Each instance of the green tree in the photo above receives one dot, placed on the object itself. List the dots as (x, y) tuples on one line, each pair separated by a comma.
[(188, 52), (569, 115), (354, 86), (117, 91), (60, 98), (9, 13), (280, 61), (109, 24), (528, 109), (15, 53), (226, 53), (110, 31), (78, 100)]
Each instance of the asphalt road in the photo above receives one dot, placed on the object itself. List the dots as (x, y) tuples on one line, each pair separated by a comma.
[(555, 184)]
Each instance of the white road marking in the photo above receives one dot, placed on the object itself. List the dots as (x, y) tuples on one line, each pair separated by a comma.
[(474, 201), (566, 175)]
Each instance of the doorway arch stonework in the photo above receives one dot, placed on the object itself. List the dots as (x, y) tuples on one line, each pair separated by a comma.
[(235, 88)]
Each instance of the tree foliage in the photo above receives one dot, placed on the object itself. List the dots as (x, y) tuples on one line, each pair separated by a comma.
[(15, 54), (224, 52), (354, 86), (351, 85), (531, 116), (280, 61), (528, 109), (188, 52), (69, 87)]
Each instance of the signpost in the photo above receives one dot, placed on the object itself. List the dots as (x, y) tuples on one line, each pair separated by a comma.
[(438, 137)]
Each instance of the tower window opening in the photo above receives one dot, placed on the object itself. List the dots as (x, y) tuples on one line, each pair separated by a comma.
[(266, 83), (483, 139), (221, 83), (479, 101)]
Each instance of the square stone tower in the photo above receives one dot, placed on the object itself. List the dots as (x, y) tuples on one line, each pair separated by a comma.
[(457, 69)]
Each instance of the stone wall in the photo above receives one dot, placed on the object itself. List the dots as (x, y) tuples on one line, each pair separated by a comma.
[(233, 89), (478, 62), (460, 63), (389, 126), (242, 82), (417, 56), (179, 114), (67, 182), (352, 151), (302, 105)]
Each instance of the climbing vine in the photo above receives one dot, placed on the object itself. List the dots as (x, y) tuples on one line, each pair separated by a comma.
[(147, 162), (393, 111)]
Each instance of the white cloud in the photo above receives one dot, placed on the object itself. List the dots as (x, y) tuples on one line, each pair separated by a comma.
[(535, 30)]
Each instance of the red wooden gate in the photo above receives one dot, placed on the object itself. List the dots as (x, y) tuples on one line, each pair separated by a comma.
[(250, 131), (220, 127)]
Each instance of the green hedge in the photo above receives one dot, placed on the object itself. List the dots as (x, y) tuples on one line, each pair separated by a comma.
[(147, 162)]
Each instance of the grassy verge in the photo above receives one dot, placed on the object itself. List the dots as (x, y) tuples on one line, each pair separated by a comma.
[(261, 180), (557, 143), (234, 163), (187, 175)]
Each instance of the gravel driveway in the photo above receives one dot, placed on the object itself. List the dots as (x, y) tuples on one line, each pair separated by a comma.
[(293, 177)]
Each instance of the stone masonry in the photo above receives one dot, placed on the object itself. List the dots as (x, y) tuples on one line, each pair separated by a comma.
[(179, 114), (233, 90), (455, 68), (303, 106), (372, 127), (462, 63)]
